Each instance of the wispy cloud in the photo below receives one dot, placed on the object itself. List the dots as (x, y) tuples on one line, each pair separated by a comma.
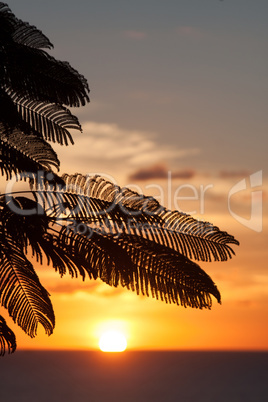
[(122, 148), (73, 287), (96, 288)]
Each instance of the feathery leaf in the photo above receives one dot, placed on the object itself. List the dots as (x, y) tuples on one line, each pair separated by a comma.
[(191, 237), (21, 293), (49, 120), (129, 260), (21, 152), (7, 338), (140, 265), (20, 31), (94, 199), (39, 76)]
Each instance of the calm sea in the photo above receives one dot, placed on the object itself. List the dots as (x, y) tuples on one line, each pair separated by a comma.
[(134, 376)]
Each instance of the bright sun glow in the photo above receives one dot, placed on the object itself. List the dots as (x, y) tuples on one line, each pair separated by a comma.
[(113, 341)]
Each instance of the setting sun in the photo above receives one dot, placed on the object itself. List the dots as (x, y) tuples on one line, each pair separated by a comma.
[(113, 341)]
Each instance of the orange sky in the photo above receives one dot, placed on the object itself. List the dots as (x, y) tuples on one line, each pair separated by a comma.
[(178, 110), (84, 309)]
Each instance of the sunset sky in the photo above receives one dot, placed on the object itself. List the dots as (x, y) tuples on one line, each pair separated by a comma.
[(178, 110)]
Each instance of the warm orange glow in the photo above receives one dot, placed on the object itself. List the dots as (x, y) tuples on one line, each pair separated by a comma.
[(113, 341), (87, 310)]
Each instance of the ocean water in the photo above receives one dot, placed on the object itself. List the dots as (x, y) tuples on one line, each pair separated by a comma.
[(80, 376)]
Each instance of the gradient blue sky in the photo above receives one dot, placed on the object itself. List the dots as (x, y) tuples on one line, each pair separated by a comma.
[(193, 73), (175, 85)]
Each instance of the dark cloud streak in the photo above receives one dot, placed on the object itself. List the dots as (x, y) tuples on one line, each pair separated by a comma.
[(160, 171)]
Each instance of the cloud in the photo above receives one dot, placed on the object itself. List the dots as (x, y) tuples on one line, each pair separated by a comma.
[(104, 143), (73, 287), (136, 35), (96, 288), (160, 171)]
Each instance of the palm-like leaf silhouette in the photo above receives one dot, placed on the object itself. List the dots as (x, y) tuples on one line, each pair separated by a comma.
[(86, 226)]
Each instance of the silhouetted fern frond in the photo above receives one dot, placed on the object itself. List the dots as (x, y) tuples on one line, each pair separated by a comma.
[(140, 265), (29, 35), (22, 32), (124, 259), (49, 120), (91, 199), (167, 274), (39, 76), (21, 152), (191, 237), (94, 199), (34, 86), (7, 338), (21, 293)]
